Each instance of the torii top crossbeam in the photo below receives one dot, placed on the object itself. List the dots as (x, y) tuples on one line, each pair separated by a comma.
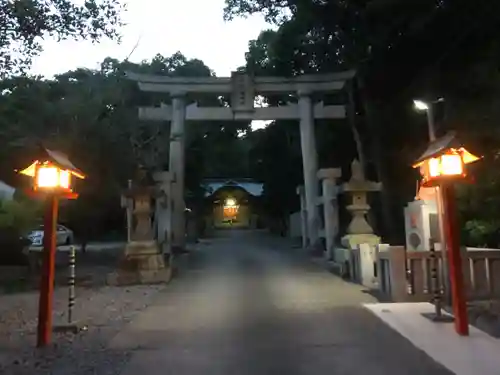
[(243, 88), (259, 85)]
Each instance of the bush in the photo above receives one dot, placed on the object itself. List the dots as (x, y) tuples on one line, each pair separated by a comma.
[(19, 214), (482, 233), (12, 245), (17, 217)]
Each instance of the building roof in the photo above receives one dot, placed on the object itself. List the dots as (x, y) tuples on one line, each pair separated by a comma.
[(6, 191), (251, 186), (55, 157)]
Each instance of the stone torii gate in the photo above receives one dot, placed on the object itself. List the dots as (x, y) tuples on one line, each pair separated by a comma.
[(243, 88)]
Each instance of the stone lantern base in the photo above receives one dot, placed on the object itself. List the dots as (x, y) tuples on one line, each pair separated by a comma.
[(142, 263)]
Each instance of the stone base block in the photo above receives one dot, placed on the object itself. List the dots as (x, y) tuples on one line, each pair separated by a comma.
[(143, 263), (351, 241), (141, 248), (122, 277)]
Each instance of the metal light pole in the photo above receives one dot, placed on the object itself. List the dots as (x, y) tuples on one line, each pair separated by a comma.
[(420, 105), (71, 326), (71, 283)]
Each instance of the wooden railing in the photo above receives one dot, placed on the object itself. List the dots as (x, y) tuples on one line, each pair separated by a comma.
[(405, 276)]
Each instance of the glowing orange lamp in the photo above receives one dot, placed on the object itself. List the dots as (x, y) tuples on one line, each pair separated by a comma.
[(451, 164), (53, 174)]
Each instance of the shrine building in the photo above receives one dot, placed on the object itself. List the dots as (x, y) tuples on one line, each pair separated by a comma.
[(233, 203)]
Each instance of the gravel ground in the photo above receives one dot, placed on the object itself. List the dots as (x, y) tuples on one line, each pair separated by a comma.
[(104, 309)]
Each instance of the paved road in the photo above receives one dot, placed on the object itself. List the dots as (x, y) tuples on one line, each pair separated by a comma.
[(249, 307)]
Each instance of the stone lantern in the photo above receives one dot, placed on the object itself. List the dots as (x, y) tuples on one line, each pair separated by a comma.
[(359, 231), (143, 260)]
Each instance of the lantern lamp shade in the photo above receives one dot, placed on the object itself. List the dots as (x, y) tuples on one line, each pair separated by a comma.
[(52, 170), (443, 159), (467, 157), (448, 164), (447, 144)]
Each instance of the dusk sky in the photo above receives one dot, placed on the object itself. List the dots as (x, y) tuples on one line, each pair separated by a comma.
[(193, 27)]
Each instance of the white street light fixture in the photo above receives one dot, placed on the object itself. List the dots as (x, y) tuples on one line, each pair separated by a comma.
[(426, 107), (421, 105)]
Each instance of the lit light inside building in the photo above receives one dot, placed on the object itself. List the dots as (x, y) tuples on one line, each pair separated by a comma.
[(230, 202), (230, 208)]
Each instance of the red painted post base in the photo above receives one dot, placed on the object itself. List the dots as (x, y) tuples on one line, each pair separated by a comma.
[(48, 269), (455, 260)]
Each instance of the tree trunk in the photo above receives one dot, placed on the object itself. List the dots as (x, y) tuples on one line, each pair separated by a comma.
[(379, 162), (351, 117)]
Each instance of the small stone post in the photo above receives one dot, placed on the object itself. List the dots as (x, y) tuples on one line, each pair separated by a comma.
[(128, 204), (303, 216), (328, 178), (164, 210)]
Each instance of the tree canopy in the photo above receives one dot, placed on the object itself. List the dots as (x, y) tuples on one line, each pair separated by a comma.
[(25, 23), (401, 50), (92, 116)]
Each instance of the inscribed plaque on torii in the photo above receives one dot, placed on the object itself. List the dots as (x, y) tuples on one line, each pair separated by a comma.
[(242, 92)]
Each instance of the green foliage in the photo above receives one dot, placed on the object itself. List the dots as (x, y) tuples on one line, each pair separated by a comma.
[(482, 233), (273, 10), (17, 218), (275, 159), (92, 116), (19, 215), (401, 50), (25, 23)]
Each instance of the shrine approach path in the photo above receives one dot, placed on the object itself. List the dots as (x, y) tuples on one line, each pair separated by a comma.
[(249, 304)]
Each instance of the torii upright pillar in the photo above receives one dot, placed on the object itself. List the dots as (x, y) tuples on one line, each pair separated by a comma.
[(309, 163), (176, 166)]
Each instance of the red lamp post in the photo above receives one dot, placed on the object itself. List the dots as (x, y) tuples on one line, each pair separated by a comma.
[(52, 174), (442, 164)]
